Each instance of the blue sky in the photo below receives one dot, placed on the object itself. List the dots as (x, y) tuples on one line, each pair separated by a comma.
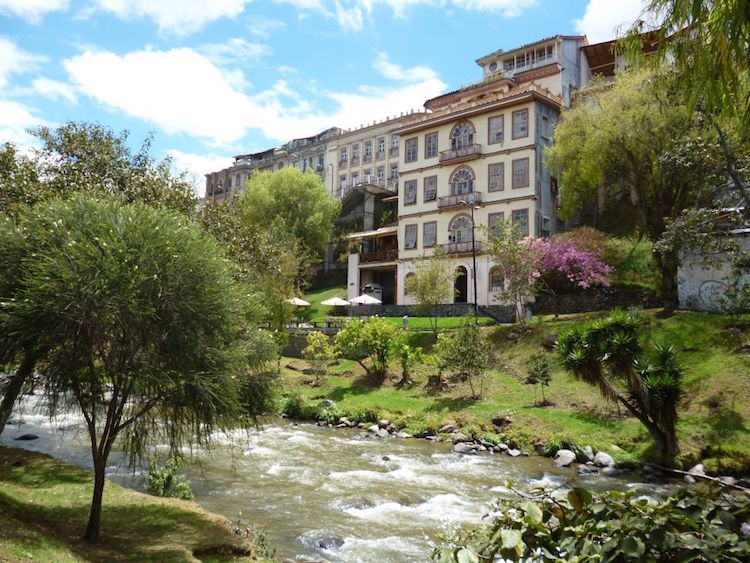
[(215, 78)]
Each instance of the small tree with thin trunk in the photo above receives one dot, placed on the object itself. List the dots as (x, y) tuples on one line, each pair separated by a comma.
[(372, 339), (140, 320), (319, 352), (431, 283), (466, 353), (605, 353)]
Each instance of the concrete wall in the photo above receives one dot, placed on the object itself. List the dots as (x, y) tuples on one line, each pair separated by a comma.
[(702, 277)]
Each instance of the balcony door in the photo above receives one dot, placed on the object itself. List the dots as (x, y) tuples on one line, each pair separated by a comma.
[(461, 285), (462, 182), (462, 136)]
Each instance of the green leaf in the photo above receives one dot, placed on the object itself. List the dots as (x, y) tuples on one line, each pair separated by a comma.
[(662, 538), (533, 512), (632, 547), (467, 555), (511, 539), (579, 498)]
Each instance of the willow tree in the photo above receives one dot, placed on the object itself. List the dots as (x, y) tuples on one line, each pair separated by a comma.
[(636, 140), (139, 321)]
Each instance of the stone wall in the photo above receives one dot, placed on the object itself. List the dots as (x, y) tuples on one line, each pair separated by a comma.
[(595, 299), (501, 313)]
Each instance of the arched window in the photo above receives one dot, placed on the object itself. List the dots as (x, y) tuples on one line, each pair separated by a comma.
[(462, 182), (460, 229), (407, 277), (462, 136), (497, 280)]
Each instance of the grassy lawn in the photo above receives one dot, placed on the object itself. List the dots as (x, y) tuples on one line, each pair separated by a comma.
[(714, 413), (44, 506)]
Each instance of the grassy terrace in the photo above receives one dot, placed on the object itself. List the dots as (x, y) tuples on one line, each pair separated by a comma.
[(44, 505), (714, 413)]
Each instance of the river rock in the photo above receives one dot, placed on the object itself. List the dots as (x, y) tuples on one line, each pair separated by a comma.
[(360, 425), (525, 454), (391, 428), (587, 470), (322, 423), (612, 472), (330, 543), (603, 459), (384, 422), (697, 470), (689, 479), (433, 438), (27, 437), (328, 404), (382, 433), (460, 437), (480, 448), (501, 447), (727, 480), (563, 458), (425, 433), (514, 452), (403, 435), (374, 429), (447, 429), (342, 425), (463, 448)]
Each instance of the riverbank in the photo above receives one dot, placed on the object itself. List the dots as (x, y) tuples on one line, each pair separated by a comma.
[(713, 415), (44, 506)]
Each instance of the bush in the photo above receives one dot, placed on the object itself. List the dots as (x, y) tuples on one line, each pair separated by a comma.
[(633, 261), (703, 523), (166, 482)]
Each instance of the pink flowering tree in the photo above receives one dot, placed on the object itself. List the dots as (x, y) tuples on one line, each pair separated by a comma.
[(567, 266)]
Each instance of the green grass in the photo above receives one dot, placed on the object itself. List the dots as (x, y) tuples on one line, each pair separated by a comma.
[(44, 506), (714, 414)]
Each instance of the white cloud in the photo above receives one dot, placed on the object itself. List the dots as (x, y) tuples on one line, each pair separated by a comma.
[(54, 90), (602, 18), (397, 72), (236, 50), (197, 166), (15, 120), (264, 28), (32, 10), (14, 60), (177, 16), (507, 8), (183, 92), (284, 69)]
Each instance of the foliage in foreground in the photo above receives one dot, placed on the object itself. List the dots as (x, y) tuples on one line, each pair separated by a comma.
[(165, 481), (702, 523), (373, 339)]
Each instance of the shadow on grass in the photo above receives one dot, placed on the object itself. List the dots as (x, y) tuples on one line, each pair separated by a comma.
[(727, 422), (597, 418), (451, 404)]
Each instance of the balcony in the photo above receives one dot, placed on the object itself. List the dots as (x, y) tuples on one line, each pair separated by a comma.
[(387, 184), (367, 157), (390, 255), (456, 200), (344, 163), (468, 152), (461, 247), (393, 151), (355, 160), (380, 155)]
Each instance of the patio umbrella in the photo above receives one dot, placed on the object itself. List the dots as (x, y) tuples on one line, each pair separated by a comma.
[(297, 302), (335, 302), (366, 299)]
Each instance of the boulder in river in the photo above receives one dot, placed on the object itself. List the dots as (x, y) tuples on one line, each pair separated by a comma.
[(463, 448), (27, 437), (612, 472), (330, 543), (447, 429), (374, 429), (563, 458), (514, 452), (603, 459), (403, 435), (384, 423), (382, 433), (460, 437), (587, 470), (697, 470)]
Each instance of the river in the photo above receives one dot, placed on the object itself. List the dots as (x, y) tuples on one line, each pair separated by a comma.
[(335, 494)]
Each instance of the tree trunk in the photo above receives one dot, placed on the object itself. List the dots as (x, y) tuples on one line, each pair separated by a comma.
[(95, 516), (14, 388), (668, 263)]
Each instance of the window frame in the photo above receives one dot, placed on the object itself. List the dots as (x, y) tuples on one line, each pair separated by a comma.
[(425, 199), (525, 210), (415, 229), (513, 184), (428, 145), (513, 123), (411, 151), (490, 141), (492, 275), (490, 216), (501, 165), (424, 234), (410, 184)]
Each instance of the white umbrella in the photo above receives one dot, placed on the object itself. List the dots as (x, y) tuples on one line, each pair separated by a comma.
[(335, 302), (297, 302), (366, 299)]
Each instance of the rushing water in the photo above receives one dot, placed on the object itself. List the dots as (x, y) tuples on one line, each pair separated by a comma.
[(328, 493)]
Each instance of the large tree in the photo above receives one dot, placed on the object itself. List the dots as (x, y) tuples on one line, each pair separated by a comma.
[(137, 320), (294, 202), (78, 156), (637, 139), (431, 283)]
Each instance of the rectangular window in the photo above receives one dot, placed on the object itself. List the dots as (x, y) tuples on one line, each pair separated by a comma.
[(344, 155), (495, 220), (410, 237), (520, 123), (430, 145), (521, 173), (545, 127), (381, 145), (521, 220), (381, 173), (495, 127), (496, 173), (410, 192), (411, 150), (368, 176), (342, 183), (496, 280), (355, 152), (429, 235), (355, 179), (430, 188), (368, 148), (394, 141), (394, 171)]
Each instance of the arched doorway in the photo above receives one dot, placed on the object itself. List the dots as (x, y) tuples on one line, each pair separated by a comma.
[(461, 285)]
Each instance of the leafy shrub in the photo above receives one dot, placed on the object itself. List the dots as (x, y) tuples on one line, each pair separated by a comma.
[(633, 261), (703, 523), (166, 482), (538, 375)]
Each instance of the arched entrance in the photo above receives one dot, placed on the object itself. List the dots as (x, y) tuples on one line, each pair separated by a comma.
[(461, 284)]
